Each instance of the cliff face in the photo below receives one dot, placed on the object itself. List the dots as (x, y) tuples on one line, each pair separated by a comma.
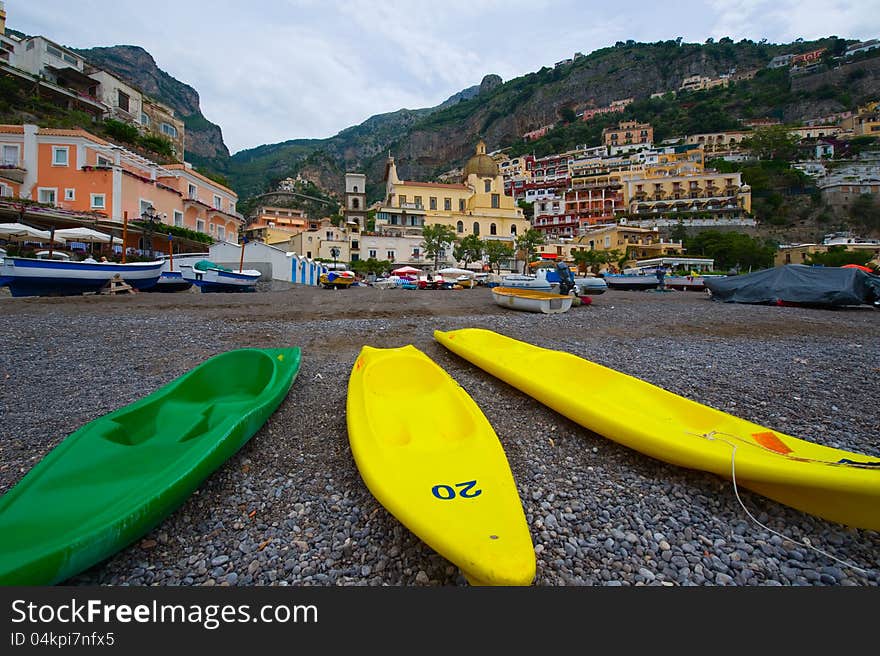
[(135, 65)]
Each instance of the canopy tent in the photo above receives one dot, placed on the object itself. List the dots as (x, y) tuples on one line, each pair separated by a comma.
[(87, 235), (21, 232)]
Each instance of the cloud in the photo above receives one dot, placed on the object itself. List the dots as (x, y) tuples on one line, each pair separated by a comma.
[(275, 70)]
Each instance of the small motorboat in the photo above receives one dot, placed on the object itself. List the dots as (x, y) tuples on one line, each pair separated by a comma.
[(211, 277), (532, 300), (590, 286), (337, 279)]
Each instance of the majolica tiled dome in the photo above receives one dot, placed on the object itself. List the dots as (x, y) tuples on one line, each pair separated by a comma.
[(480, 164)]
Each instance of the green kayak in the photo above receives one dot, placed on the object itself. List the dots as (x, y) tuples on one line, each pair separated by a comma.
[(118, 476)]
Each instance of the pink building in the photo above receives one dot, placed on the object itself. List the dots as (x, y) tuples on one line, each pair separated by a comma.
[(78, 171)]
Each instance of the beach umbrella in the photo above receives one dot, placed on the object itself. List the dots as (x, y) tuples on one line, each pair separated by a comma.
[(455, 271), (22, 232), (406, 271), (87, 235)]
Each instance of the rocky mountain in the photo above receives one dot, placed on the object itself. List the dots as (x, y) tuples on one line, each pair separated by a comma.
[(427, 142), (204, 139)]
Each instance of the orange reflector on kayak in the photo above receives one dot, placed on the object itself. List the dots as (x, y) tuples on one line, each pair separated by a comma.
[(770, 441)]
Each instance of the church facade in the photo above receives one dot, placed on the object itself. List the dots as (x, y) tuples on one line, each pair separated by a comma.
[(475, 206)]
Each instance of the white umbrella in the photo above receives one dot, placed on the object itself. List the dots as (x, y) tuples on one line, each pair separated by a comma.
[(22, 231), (87, 235), (455, 271)]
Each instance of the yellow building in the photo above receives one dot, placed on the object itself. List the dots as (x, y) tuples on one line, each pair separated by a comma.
[(654, 191), (866, 123), (636, 243), (476, 206), (322, 243)]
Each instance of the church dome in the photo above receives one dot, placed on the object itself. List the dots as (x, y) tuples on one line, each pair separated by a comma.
[(480, 164)]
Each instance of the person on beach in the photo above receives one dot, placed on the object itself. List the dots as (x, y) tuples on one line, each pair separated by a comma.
[(661, 276)]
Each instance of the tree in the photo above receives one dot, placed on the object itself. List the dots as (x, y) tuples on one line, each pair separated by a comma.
[(527, 208), (679, 232), (773, 142), (436, 238), (497, 252), (567, 115), (732, 250), (527, 245), (594, 259), (838, 256), (469, 249)]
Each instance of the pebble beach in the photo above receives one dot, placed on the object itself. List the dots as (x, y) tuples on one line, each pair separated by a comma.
[(290, 508)]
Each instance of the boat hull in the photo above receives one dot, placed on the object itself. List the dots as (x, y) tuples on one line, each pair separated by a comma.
[(117, 477), (685, 283), (435, 463), (631, 283), (33, 277), (809, 477), (217, 280), (590, 286), (531, 300), (171, 281), (525, 281)]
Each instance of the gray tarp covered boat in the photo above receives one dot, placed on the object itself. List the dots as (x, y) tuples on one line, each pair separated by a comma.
[(798, 284)]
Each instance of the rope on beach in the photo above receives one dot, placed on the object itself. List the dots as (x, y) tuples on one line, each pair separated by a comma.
[(712, 436)]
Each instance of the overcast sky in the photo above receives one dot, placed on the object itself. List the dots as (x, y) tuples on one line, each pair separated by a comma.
[(272, 70)]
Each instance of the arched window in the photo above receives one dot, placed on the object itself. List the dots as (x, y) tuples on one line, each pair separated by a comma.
[(488, 185), (459, 227), (355, 203), (476, 228), (513, 230), (493, 230)]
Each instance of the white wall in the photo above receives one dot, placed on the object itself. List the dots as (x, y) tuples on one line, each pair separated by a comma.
[(272, 262)]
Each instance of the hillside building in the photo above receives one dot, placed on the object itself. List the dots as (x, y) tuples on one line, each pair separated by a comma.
[(628, 133), (78, 172), (478, 205)]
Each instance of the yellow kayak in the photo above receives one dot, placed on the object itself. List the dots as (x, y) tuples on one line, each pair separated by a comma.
[(429, 455), (837, 485)]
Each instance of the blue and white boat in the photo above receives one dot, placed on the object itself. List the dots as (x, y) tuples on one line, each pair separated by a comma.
[(171, 279), (209, 277), (35, 277)]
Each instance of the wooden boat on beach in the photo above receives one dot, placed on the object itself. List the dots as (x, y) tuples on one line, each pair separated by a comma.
[(435, 463), (210, 277), (837, 485), (49, 277), (118, 476), (531, 300)]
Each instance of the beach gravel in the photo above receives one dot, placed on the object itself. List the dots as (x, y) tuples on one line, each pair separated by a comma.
[(290, 508)]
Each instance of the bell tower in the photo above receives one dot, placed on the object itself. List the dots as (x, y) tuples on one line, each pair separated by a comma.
[(355, 199)]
